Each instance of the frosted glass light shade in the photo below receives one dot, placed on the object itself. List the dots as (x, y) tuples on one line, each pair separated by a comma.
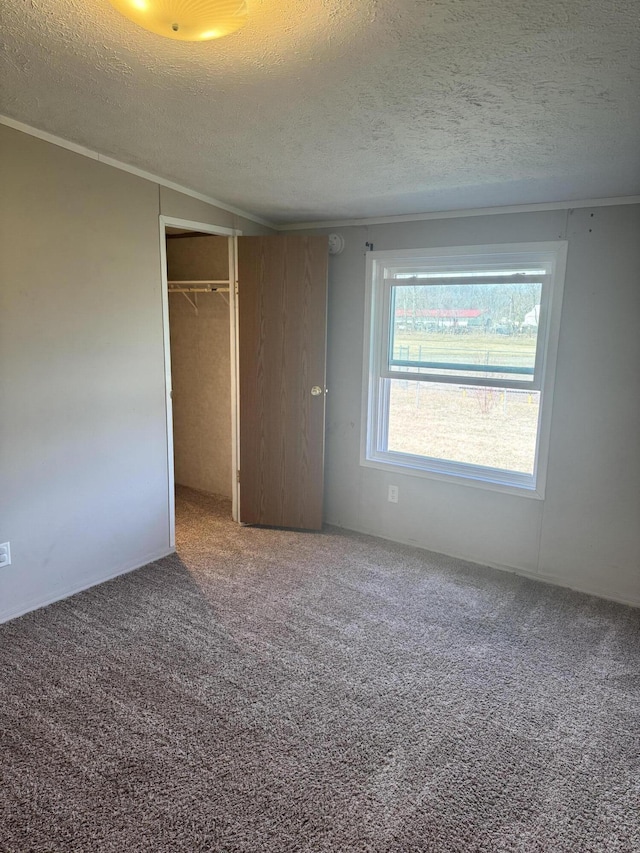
[(186, 20)]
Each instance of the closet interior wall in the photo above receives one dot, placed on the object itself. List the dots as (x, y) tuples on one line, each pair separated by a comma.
[(200, 366)]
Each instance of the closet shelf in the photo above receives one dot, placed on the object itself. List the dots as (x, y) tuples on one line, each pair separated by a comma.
[(199, 286)]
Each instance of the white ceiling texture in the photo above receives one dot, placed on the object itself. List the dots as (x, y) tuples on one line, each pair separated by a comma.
[(331, 109)]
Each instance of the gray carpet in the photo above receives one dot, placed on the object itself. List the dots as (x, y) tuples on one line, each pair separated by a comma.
[(276, 691)]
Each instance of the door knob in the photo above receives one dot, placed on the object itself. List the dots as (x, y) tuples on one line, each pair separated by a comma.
[(316, 391)]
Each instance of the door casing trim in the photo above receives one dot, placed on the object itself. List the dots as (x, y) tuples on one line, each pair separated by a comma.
[(231, 233)]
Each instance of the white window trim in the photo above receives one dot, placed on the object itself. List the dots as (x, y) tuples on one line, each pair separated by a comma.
[(376, 329)]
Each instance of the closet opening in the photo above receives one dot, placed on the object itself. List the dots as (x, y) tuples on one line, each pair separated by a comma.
[(200, 364)]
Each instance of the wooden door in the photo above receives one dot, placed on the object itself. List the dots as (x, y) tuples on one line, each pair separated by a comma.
[(282, 311)]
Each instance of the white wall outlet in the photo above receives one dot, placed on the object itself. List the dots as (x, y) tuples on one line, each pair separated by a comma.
[(5, 554), (392, 497)]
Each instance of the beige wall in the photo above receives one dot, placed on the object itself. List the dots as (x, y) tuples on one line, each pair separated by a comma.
[(200, 367), (83, 464), (586, 533), (83, 461), (180, 206)]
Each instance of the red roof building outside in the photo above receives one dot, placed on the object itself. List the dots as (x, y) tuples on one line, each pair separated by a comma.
[(437, 313)]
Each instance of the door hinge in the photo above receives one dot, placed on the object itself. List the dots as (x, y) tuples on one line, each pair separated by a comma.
[(235, 287), (238, 476)]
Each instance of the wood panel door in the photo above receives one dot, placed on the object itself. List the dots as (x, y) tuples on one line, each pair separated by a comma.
[(282, 314)]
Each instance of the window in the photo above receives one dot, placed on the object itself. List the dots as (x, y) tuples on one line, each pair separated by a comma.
[(459, 362)]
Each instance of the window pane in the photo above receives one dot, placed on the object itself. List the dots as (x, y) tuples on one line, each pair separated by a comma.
[(475, 329), (492, 427)]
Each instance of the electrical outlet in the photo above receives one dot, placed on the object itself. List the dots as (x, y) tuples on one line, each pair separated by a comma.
[(392, 497), (5, 554)]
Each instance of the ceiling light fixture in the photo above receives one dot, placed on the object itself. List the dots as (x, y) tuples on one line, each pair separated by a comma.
[(186, 20)]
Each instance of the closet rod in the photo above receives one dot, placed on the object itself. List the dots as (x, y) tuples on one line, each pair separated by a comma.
[(199, 286)]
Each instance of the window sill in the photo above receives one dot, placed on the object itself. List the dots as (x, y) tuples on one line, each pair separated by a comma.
[(455, 474)]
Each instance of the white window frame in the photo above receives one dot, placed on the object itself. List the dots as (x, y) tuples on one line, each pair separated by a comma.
[(382, 266)]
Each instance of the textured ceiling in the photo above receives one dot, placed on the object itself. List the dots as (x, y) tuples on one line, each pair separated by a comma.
[(346, 108)]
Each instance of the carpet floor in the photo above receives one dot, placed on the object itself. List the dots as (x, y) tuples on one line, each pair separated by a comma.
[(269, 691)]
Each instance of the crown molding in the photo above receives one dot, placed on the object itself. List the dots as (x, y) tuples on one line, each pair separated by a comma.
[(322, 223), (459, 214), (125, 167)]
